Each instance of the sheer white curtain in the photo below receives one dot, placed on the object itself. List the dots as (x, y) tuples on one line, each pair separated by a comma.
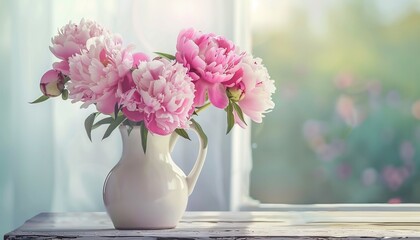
[(47, 162)]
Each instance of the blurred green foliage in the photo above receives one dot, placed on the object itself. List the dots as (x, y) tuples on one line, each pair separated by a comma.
[(346, 126)]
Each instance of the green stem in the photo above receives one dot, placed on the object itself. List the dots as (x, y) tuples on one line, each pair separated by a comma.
[(202, 107)]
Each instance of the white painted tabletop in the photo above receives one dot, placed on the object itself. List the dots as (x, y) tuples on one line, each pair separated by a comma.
[(232, 225)]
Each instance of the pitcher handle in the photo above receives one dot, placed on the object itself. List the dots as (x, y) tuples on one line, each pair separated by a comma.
[(202, 152)]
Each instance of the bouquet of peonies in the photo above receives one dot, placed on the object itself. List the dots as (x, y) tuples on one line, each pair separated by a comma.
[(161, 94)]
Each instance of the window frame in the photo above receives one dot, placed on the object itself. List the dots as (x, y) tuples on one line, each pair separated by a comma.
[(241, 155), (241, 152)]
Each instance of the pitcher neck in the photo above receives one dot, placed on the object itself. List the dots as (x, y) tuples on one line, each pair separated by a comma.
[(132, 143)]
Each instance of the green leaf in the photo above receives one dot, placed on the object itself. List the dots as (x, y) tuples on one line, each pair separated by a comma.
[(107, 120), (113, 125), (166, 55), (143, 133), (181, 132), (89, 124), (129, 129), (130, 125), (238, 111), (230, 118), (200, 131), (40, 99), (65, 94)]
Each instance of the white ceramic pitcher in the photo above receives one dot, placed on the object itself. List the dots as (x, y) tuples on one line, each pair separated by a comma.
[(149, 191)]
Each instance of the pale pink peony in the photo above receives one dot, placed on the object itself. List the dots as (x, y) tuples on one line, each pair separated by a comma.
[(71, 40), (211, 60), (52, 83), (163, 96), (97, 73), (253, 92)]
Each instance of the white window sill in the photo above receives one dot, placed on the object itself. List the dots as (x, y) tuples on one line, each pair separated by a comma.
[(331, 207)]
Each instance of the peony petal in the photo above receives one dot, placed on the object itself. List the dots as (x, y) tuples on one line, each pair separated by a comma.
[(65, 51), (237, 77), (238, 120), (197, 62), (126, 85), (106, 104), (217, 95), (135, 116), (139, 57), (62, 66), (50, 76), (158, 86), (153, 127), (200, 93)]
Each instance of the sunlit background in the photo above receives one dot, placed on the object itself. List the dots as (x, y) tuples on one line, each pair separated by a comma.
[(346, 127)]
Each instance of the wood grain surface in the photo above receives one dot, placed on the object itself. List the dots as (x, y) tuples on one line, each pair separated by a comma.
[(232, 225)]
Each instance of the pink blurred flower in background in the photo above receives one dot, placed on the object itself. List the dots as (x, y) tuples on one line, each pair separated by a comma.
[(369, 176), (71, 40), (212, 61), (98, 72), (253, 91), (315, 133), (395, 200), (344, 171), (394, 177), (163, 96), (415, 109), (344, 80), (348, 111), (407, 152)]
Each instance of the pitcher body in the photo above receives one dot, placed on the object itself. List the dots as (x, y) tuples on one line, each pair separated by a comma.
[(146, 190)]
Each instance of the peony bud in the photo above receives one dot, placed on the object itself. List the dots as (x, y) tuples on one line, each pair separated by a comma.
[(52, 83), (237, 92)]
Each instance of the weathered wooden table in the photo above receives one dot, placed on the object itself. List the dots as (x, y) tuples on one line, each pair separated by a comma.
[(232, 225)]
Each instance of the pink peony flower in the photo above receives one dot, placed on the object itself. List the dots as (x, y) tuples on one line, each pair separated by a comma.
[(97, 73), (52, 83), (253, 91), (211, 60), (71, 40), (163, 96)]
